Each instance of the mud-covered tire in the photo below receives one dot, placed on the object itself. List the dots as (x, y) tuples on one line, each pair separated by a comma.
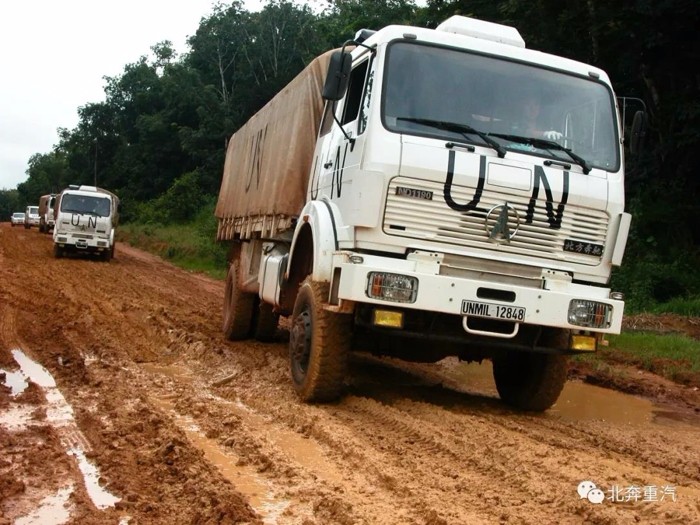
[(264, 322), (238, 308), (57, 251), (532, 381), (106, 255), (319, 343)]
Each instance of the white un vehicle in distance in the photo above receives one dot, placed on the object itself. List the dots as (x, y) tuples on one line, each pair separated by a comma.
[(31, 216), (86, 219)]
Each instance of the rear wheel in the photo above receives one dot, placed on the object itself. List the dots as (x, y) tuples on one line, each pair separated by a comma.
[(238, 307), (319, 343), (532, 381)]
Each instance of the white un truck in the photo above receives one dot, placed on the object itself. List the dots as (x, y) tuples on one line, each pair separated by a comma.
[(398, 197), (86, 219)]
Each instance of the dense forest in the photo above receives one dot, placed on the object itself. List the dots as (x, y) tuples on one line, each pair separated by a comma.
[(158, 139)]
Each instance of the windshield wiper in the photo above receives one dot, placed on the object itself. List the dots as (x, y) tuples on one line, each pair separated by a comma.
[(547, 144), (456, 127)]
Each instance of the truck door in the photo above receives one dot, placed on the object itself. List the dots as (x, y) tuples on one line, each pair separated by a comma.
[(341, 152)]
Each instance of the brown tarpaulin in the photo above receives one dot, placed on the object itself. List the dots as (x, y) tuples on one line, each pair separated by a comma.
[(268, 160)]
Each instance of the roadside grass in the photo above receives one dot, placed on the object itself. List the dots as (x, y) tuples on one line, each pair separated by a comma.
[(185, 245), (681, 306), (673, 356)]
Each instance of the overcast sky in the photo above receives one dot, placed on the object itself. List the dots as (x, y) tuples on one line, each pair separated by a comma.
[(55, 53)]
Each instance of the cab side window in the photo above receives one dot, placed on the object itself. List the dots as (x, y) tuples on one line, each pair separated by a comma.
[(353, 99)]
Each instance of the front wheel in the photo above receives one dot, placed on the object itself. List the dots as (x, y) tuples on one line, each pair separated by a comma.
[(319, 344), (238, 307), (57, 251), (532, 381)]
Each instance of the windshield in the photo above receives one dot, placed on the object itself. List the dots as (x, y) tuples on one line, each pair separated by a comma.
[(457, 95), (99, 206), (33, 210)]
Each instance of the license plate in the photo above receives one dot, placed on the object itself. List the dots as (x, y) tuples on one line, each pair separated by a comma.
[(493, 311)]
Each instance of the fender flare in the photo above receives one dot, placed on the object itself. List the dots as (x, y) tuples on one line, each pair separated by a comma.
[(323, 219)]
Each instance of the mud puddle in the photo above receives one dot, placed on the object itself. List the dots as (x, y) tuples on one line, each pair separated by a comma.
[(578, 401), (59, 414), (52, 510)]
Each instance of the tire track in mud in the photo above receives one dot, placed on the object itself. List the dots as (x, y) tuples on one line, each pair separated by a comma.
[(444, 461), (440, 448), (595, 438), (677, 465), (366, 437), (287, 462), (8, 328)]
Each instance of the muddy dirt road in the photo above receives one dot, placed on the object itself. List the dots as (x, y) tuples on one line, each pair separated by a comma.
[(121, 403)]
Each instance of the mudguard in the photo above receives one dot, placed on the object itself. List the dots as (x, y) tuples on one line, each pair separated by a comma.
[(327, 231)]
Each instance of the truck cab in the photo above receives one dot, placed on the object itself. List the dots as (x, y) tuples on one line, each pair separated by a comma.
[(86, 218)]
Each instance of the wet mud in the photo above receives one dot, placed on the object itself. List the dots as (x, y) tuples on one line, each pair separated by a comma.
[(136, 410)]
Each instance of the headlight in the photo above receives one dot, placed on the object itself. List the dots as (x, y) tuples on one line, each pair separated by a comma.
[(392, 287), (591, 314)]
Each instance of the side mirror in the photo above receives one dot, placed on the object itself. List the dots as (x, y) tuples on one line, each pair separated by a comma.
[(638, 132), (338, 76)]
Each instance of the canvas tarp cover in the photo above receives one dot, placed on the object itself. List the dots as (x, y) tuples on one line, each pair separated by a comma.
[(268, 160)]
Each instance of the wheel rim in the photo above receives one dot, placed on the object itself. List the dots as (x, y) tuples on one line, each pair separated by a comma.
[(300, 345)]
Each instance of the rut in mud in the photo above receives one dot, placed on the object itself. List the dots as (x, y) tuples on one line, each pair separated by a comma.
[(181, 426)]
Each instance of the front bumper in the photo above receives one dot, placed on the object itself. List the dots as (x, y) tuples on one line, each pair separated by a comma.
[(82, 242), (547, 305)]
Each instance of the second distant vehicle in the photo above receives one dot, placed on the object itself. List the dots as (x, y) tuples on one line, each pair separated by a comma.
[(31, 216), (46, 220), (17, 219)]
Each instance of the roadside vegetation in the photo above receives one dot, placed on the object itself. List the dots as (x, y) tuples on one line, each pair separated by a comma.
[(190, 245), (674, 356)]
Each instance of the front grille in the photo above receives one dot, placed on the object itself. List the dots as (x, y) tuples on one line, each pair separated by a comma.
[(82, 236), (434, 220)]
